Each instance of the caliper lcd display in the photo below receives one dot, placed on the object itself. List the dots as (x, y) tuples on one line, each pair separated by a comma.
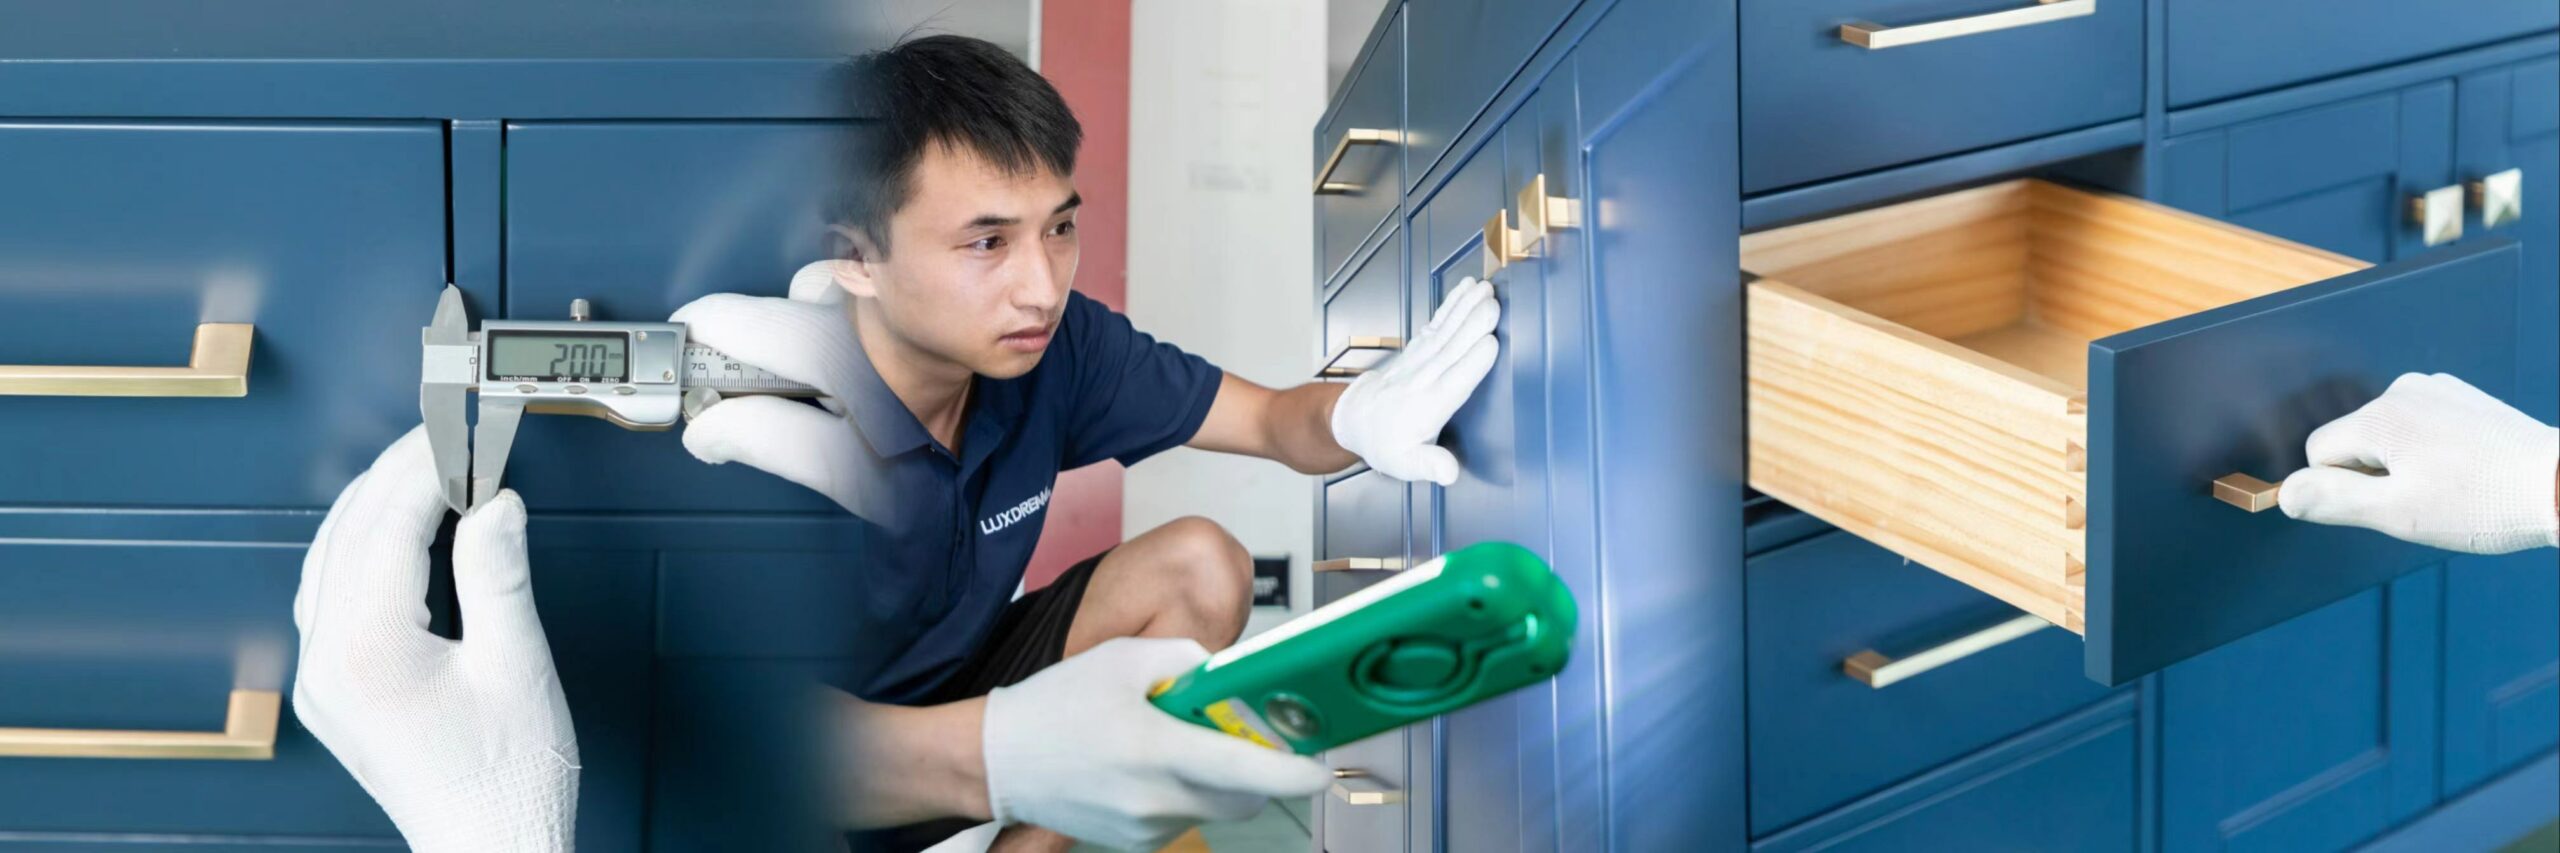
[(559, 356)]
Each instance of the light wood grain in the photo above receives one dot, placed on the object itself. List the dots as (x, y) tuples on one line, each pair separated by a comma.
[(1919, 372)]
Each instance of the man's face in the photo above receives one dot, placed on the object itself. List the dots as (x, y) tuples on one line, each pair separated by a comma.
[(979, 263)]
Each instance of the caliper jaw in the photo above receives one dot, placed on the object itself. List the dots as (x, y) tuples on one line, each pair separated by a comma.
[(450, 368)]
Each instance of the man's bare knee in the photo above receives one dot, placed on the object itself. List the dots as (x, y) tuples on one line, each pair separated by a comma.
[(1215, 574)]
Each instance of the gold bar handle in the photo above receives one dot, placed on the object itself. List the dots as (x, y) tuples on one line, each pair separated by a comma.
[(1325, 184), (2246, 492), (1878, 671), (1358, 788), (2500, 197), (1501, 243), (2438, 214), (1878, 36), (219, 367), (1370, 353), (248, 734), (1360, 564)]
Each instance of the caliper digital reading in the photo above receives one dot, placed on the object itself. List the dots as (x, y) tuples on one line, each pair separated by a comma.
[(639, 376)]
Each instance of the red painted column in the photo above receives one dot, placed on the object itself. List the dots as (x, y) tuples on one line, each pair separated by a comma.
[(1084, 51)]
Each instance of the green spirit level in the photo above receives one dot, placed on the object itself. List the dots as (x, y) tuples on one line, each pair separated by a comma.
[(1474, 624)]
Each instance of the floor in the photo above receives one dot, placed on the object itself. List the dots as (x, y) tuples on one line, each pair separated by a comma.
[(1281, 828)]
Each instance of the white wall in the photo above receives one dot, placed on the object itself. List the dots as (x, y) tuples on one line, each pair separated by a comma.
[(1224, 96)]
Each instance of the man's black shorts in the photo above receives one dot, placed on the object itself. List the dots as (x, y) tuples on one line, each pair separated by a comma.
[(1030, 635)]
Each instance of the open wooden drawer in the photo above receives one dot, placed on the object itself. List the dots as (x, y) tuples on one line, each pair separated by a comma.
[(2032, 389)]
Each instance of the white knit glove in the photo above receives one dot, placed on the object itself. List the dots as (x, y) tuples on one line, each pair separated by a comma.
[(1392, 415), (1079, 750), (806, 339), (466, 744), (2461, 470)]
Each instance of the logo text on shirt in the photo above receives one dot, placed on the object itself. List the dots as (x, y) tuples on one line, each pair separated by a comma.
[(993, 524)]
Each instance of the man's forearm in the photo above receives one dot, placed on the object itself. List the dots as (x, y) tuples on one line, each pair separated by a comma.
[(1302, 429), (899, 765)]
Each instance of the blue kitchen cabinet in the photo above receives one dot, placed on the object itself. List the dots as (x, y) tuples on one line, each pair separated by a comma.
[(2316, 734), (117, 239), (2502, 614), (1583, 184), (641, 218)]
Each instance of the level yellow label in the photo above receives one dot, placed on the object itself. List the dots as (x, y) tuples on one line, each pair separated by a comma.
[(1231, 717)]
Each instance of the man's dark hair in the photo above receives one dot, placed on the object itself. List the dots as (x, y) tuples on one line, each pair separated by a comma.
[(948, 90)]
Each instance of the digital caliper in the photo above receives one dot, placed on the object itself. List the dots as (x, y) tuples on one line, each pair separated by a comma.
[(639, 376)]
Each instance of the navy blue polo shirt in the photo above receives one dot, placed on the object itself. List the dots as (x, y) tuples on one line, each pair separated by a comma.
[(949, 535)]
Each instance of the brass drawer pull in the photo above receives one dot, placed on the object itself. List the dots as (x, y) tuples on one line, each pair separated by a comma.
[(1372, 352), (1357, 788), (2500, 197), (248, 734), (1325, 184), (2438, 214), (2246, 492), (1878, 36), (1877, 671), (1360, 564), (1540, 214), (219, 367)]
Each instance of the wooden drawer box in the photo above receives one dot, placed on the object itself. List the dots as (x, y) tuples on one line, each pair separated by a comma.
[(2032, 389)]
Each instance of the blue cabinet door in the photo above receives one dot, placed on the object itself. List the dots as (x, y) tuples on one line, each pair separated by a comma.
[(2312, 735), (2334, 176), (118, 238), (2220, 48), (1495, 782), (2502, 614), (1646, 427), (641, 218)]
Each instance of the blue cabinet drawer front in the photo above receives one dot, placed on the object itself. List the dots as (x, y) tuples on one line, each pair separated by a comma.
[(1364, 516), (1818, 737), (154, 636), (1814, 106), (2080, 794), (1463, 53), (1370, 304), (641, 218), (118, 239), (2221, 48), (1365, 185), (152, 618)]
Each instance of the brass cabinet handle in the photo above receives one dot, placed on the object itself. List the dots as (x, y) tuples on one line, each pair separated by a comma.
[(1358, 788), (1878, 671), (1540, 214), (1359, 564), (1325, 185), (2246, 492), (2500, 197), (1336, 367), (219, 367), (1878, 36), (2438, 214), (248, 734)]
